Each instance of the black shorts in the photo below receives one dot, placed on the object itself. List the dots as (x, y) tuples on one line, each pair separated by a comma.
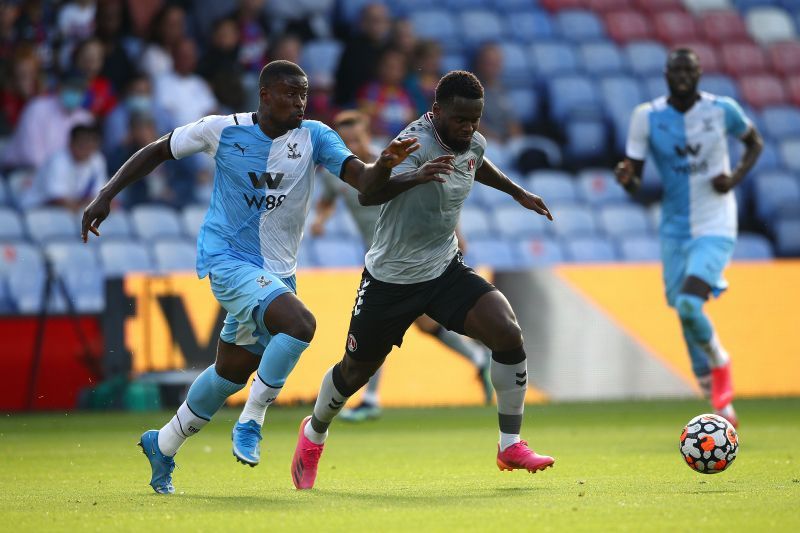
[(384, 311)]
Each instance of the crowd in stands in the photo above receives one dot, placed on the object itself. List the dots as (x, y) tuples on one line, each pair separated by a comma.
[(84, 84)]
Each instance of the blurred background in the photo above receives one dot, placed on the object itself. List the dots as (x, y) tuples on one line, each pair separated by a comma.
[(86, 83)]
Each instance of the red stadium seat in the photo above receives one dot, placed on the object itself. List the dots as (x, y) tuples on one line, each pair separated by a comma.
[(652, 6), (603, 6), (709, 57), (558, 5), (724, 25), (743, 58), (625, 26), (793, 88), (675, 26), (785, 57), (763, 90)]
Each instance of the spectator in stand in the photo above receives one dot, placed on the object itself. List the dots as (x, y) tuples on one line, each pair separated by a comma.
[(182, 93), (138, 99), (21, 81), (498, 122), (9, 12), (88, 60), (44, 125), (112, 24), (287, 47), (403, 37), (254, 34), (167, 29), (76, 20), (359, 59), (73, 175), (220, 66), (424, 74), (36, 24), (385, 101)]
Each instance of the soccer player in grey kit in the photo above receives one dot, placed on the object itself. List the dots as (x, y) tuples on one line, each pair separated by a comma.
[(414, 268)]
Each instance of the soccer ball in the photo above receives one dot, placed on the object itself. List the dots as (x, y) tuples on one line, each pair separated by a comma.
[(709, 444)]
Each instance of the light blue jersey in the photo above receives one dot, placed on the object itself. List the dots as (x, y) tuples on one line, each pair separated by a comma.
[(690, 149), (262, 188)]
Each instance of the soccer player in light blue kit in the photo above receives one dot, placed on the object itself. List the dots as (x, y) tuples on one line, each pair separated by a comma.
[(686, 134), (248, 244)]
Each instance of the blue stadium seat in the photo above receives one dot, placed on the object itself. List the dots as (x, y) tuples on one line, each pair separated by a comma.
[(516, 71), (10, 225), (321, 56), (781, 121), (770, 158), (117, 225), (655, 86), (6, 304), (86, 289), (720, 85), (624, 219), (478, 26), (71, 256), (352, 8), (580, 25), (466, 4), (539, 252), (491, 197), (773, 192), (120, 257), (646, 57), (192, 217), (598, 186), (525, 103), (571, 96), (639, 248), (454, 61), (530, 26), (341, 224), (516, 222), (590, 250), (587, 138), (790, 153), (26, 289), (573, 220), (494, 253), (305, 255), (621, 94), (602, 58), (787, 237), (475, 223), (436, 24), (154, 221), (19, 255), (173, 255), (752, 246), (553, 186), (51, 223), (5, 195), (553, 58), (332, 252)]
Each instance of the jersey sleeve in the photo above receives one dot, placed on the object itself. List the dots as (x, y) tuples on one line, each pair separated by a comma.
[(196, 137), (329, 149), (736, 122), (638, 133)]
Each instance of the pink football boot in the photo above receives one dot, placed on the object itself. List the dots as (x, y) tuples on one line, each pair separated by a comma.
[(519, 456), (305, 460)]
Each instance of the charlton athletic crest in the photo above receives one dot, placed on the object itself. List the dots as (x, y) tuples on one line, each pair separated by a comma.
[(352, 345), (471, 164)]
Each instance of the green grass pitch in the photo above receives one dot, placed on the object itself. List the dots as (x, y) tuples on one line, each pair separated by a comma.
[(617, 468)]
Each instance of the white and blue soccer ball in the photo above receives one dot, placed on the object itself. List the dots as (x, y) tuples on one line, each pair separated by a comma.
[(709, 444)]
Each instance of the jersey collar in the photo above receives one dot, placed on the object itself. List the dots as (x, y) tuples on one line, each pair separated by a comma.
[(429, 118)]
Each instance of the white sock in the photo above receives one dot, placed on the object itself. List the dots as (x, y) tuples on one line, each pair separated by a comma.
[(261, 396), (717, 356), (313, 436), (508, 439), (182, 426)]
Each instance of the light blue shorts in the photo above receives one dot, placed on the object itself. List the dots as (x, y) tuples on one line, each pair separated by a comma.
[(245, 291), (703, 257)]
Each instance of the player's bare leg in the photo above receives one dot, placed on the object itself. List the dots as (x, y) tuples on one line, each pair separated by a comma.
[(491, 321)]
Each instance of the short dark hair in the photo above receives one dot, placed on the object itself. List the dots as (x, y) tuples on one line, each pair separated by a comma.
[(682, 51), (275, 70), (89, 130), (458, 83)]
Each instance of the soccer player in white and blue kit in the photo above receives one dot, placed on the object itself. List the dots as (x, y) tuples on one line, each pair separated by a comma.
[(686, 135), (247, 247)]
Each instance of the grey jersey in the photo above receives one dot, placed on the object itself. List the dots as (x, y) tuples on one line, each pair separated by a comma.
[(364, 216), (415, 236)]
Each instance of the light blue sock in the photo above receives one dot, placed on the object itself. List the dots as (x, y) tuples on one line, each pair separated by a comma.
[(209, 392), (279, 359), (697, 331)]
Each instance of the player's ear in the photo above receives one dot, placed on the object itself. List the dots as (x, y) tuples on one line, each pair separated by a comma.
[(437, 109), (263, 95)]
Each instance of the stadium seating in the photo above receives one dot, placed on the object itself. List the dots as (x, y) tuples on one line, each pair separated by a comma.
[(785, 57), (574, 220), (751, 246), (707, 54), (51, 223), (27, 289), (675, 27), (553, 186), (770, 24), (85, 289), (590, 250), (516, 71), (773, 192), (436, 24), (700, 6), (155, 221), (651, 6), (529, 26), (174, 256), (790, 153), (787, 237), (623, 219), (475, 222), (525, 104), (341, 224), (120, 257), (742, 59), (587, 138), (514, 223), (626, 26), (495, 253), (67, 256), (646, 57), (332, 252), (781, 122), (602, 59), (479, 26), (192, 218), (116, 225), (639, 249), (718, 84), (571, 96), (321, 57), (580, 25), (550, 59), (598, 186), (11, 227), (762, 90), (539, 252), (723, 26)]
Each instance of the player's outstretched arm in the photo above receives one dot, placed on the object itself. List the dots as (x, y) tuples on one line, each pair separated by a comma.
[(490, 175), (399, 183), (368, 178), (629, 174), (753, 144), (139, 165)]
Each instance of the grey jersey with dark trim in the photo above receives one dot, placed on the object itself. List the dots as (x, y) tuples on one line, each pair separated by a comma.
[(415, 236)]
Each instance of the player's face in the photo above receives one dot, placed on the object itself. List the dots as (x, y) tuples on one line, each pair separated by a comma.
[(683, 74), (286, 101), (458, 120)]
